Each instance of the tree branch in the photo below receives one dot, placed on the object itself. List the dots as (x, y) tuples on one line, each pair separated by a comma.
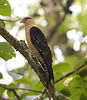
[(10, 20), (20, 89), (11, 89), (54, 29), (23, 49), (27, 90), (70, 73), (60, 21)]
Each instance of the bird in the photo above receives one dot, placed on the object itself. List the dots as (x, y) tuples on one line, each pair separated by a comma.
[(37, 43)]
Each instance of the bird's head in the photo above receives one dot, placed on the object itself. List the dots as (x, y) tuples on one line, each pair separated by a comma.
[(27, 20)]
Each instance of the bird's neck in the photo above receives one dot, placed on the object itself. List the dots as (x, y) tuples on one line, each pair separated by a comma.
[(29, 25)]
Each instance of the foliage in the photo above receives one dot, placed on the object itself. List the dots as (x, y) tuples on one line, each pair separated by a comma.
[(74, 86), (6, 51), (5, 8)]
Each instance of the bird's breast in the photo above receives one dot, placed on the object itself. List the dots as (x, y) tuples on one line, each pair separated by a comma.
[(31, 46)]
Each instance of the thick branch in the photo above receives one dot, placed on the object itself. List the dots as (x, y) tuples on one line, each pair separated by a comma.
[(23, 49)]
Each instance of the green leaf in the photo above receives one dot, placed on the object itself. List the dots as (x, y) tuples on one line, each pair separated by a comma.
[(24, 80), (29, 93), (80, 63), (85, 91), (72, 59), (38, 86), (83, 97), (2, 90), (10, 94), (2, 23), (77, 87), (5, 8), (57, 75), (6, 51), (20, 78), (1, 75), (60, 85), (62, 67), (12, 85), (75, 93), (85, 78), (76, 83), (66, 91), (15, 76)]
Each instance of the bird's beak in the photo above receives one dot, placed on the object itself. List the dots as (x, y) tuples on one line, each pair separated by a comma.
[(22, 21)]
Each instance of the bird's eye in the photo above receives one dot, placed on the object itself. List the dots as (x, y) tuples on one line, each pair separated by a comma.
[(28, 18)]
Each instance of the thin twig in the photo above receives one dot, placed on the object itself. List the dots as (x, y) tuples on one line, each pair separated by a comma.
[(70, 73), (11, 89), (10, 20), (20, 89), (28, 90)]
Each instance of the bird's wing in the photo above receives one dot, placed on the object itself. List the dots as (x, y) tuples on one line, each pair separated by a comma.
[(39, 41)]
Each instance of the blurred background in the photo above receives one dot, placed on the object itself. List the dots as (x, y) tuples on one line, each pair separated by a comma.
[(64, 24)]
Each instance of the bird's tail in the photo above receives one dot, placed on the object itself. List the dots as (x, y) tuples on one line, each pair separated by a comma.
[(48, 73)]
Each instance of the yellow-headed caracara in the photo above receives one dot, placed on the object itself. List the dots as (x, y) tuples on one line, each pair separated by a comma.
[(37, 43)]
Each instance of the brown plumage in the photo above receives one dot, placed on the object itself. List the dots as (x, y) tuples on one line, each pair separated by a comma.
[(37, 43)]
